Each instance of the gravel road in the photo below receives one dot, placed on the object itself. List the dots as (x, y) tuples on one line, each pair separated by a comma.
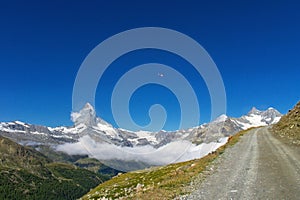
[(259, 166)]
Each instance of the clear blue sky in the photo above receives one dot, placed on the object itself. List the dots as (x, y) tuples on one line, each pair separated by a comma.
[(255, 44)]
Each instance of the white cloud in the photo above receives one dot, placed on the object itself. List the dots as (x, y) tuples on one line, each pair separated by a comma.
[(178, 151)]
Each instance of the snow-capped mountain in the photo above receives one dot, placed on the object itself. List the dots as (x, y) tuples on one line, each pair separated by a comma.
[(28, 134), (258, 118), (86, 123)]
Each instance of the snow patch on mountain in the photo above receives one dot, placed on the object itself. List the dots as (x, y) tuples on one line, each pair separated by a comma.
[(69, 130), (221, 118)]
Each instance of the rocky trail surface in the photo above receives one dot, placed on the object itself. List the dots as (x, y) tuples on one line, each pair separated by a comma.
[(259, 166)]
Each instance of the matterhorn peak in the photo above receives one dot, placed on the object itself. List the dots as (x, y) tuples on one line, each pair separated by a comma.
[(87, 116), (88, 106)]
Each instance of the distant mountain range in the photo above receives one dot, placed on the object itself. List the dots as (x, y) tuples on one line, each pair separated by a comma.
[(87, 123), (88, 127)]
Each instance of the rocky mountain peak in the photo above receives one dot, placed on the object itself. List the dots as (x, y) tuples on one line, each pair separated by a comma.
[(272, 112), (254, 111), (88, 106), (87, 116), (221, 118)]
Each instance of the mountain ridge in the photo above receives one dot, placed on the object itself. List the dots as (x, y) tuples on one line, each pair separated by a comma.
[(91, 133), (86, 119)]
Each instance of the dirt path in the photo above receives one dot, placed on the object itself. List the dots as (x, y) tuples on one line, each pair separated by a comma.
[(259, 166)]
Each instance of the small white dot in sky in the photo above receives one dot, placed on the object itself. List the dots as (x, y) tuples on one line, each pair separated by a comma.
[(160, 74)]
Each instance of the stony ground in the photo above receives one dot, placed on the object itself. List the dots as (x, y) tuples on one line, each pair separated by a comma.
[(259, 166)]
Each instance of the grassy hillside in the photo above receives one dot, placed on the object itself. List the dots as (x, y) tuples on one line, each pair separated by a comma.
[(164, 182), (28, 174), (82, 161), (289, 126)]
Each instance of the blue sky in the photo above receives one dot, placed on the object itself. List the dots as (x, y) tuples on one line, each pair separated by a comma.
[(255, 44)]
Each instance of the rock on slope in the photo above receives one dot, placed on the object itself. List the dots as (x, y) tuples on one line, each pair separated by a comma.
[(289, 125)]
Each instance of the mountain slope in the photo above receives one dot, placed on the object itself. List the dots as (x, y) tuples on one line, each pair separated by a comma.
[(28, 174), (165, 182), (289, 126), (82, 161)]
